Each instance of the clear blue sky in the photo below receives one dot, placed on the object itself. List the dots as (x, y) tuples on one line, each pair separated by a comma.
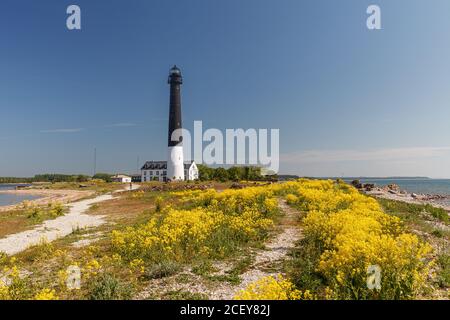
[(347, 101)]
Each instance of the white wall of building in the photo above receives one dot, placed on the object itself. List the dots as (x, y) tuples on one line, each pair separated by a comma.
[(175, 164), (161, 174), (122, 179)]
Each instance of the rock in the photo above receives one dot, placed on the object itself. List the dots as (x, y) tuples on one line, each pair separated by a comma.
[(236, 185), (357, 184), (393, 187)]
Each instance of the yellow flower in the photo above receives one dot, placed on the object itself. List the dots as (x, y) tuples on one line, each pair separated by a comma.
[(46, 294), (272, 288)]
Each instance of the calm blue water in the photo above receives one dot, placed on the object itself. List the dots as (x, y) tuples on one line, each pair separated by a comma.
[(423, 186), (9, 199)]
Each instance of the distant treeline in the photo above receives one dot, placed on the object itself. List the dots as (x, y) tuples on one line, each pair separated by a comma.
[(55, 177), (15, 180), (232, 174), (205, 174)]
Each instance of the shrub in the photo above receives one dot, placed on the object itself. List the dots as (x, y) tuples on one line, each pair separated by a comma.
[(350, 232), (162, 270), (56, 209), (444, 272), (215, 227), (107, 287), (158, 204), (291, 199), (302, 268)]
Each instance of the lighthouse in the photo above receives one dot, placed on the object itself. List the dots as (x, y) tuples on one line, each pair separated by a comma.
[(175, 163), (174, 169)]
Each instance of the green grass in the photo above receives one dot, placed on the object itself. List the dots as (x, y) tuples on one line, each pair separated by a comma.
[(233, 275), (443, 262), (107, 287), (302, 268), (98, 187), (162, 270), (411, 211)]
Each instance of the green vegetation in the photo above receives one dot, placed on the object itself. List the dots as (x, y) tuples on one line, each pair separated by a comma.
[(15, 180), (103, 176), (53, 177), (302, 268), (186, 235), (411, 211), (444, 273), (417, 217), (230, 174), (163, 269), (99, 186), (27, 215), (107, 287), (40, 213)]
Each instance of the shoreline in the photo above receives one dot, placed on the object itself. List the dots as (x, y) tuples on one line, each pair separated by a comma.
[(78, 217), (393, 192), (47, 196)]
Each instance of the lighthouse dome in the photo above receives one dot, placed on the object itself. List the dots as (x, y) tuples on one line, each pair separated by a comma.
[(175, 71)]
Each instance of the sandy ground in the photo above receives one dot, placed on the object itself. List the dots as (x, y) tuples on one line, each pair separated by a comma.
[(48, 196), (51, 230), (276, 250)]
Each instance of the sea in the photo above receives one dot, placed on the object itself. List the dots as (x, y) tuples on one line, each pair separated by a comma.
[(10, 199), (415, 185)]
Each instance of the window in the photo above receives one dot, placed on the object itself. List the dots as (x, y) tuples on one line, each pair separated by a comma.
[(157, 173), (164, 173), (151, 173)]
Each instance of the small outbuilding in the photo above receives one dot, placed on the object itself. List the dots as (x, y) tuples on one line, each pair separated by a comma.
[(121, 178)]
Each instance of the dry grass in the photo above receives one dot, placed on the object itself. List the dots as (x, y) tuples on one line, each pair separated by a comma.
[(19, 219), (13, 221)]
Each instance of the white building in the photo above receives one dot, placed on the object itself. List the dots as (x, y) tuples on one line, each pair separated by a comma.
[(121, 178), (157, 171)]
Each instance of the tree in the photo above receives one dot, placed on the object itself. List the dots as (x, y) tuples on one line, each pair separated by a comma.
[(103, 176), (205, 173), (235, 173), (220, 174)]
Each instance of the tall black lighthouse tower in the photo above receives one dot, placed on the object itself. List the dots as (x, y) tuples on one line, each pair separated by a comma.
[(175, 164)]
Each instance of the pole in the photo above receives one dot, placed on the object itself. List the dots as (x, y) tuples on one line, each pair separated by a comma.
[(137, 165), (95, 161)]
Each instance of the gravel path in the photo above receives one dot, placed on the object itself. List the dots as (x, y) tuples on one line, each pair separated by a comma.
[(51, 230), (276, 250)]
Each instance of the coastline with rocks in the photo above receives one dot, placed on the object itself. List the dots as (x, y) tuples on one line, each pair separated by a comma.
[(394, 192)]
